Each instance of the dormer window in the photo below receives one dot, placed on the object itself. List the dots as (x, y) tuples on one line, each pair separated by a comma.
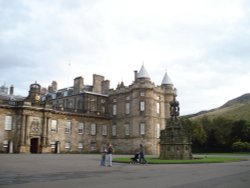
[(65, 93)]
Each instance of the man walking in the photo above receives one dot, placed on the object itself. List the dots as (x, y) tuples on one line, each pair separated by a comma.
[(109, 153)]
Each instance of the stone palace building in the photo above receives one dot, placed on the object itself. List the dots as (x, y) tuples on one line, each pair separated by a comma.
[(81, 118)]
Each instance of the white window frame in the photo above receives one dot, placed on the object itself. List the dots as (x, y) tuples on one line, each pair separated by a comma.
[(158, 130), (67, 145), (113, 130), (53, 144), (53, 127), (142, 128), (127, 108), (103, 109), (8, 123), (68, 127), (65, 93), (157, 107), (126, 129), (93, 129), (114, 109), (6, 143), (142, 106), (104, 130), (80, 145), (81, 128)]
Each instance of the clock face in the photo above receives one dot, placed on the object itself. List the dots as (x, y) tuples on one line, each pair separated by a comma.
[(37, 97)]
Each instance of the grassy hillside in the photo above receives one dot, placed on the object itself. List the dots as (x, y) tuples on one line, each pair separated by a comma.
[(235, 109)]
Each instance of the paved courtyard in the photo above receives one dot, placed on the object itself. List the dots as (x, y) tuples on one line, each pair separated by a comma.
[(73, 171)]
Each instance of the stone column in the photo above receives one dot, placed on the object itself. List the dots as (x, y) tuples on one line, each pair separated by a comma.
[(23, 140)]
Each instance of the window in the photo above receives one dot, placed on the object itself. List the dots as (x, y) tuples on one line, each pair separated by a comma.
[(65, 93), (81, 128), (80, 145), (142, 106), (67, 145), (103, 109), (157, 107), (8, 123), (113, 130), (114, 109), (127, 98), (53, 126), (93, 146), (93, 129), (53, 96), (127, 108), (126, 129), (5, 143), (104, 130), (142, 128), (68, 127), (158, 131), (142, 94), (53, 145)]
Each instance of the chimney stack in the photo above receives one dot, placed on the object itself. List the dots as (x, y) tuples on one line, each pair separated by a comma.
[(11, 90), (135, 74)]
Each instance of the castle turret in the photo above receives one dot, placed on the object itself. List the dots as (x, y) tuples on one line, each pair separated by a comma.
[(166, 80), (143, 74), (34, 93)]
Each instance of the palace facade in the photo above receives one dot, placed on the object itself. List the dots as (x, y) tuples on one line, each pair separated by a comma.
[(81, 118)]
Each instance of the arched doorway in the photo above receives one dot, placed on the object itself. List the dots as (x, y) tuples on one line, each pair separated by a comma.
[(34, 145)]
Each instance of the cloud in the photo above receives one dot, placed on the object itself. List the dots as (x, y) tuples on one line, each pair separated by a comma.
[(203, 45)]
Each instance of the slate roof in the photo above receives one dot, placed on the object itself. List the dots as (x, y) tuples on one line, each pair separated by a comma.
[(166, 80), (143, 73)]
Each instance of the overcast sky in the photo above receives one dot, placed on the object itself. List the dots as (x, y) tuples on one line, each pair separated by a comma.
[(203, 45)]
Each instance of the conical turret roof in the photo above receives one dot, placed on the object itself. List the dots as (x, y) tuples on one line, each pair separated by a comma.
[(143, 73), (166, 80)]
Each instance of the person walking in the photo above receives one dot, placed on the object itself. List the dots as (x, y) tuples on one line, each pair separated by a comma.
[(103, 155), (110, 153), (142, 159)]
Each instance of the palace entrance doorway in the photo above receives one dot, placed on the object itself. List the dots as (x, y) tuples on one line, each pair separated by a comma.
[(34, 145)]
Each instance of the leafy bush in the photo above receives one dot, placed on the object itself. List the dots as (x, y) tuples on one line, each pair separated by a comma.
[(241, 146)]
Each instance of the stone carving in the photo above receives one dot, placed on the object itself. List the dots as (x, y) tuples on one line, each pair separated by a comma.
[(174, 109), (35, 126)]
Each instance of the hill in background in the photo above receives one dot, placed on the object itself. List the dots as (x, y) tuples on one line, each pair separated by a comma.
[(235, 109)]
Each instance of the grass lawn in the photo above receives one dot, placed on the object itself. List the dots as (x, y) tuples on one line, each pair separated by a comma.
[(200, 159)]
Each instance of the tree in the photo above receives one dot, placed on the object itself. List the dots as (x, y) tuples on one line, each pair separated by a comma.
[(240, 131), (199, 136), (195, 129)]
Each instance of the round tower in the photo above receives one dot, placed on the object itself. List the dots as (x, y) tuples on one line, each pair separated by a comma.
[(34, 93)]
